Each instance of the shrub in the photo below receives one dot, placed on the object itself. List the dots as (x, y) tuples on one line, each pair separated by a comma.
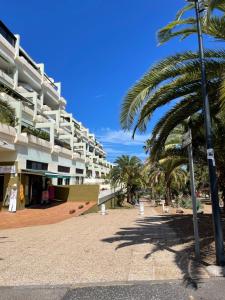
[(120, 198), (187, 203), (7, 114), (87, 202), (37, 132), (80, 206), (72, 211)]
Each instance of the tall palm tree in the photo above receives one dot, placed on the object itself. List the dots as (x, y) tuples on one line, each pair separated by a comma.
[(167, 171), (176, 80), (178, 77), (127, 172)]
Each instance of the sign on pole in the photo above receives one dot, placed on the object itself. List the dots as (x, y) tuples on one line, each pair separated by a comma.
[(186, 139)]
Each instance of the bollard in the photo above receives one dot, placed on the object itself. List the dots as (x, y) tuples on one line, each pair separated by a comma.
[(163, 205), (141, 209), (103, 211)]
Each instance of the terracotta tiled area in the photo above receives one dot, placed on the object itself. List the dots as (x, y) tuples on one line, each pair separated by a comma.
[(42, 216)]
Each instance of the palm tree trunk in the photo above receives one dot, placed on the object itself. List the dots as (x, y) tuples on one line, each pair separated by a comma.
[(129, 196), (168, 194)]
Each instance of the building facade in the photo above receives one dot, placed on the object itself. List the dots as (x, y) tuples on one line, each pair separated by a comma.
[(46, 144)]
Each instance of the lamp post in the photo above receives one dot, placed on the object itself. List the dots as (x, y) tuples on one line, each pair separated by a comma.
[(218, 233)]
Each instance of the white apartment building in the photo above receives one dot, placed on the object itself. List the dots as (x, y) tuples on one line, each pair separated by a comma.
[(47, 142)]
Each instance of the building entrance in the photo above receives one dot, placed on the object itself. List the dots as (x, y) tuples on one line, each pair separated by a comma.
[(33, 189)]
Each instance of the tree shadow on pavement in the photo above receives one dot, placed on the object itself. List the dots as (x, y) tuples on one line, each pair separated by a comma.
[(167, 232)]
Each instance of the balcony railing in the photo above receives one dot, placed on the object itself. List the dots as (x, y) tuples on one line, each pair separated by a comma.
[(7, 34)]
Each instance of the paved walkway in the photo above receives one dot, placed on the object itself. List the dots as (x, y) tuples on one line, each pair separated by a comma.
[(121, 246)]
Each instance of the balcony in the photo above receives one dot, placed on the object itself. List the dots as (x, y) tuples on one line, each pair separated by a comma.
[(41, 119), (78, 157), (62, 101), (7, 132), (46, 108), (28, 111), (28, 71), (6, 47), (39, 142), (6, 78), (50, 89), (21, 139)]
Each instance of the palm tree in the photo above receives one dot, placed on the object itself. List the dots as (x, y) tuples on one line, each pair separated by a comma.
[(176, 79), (127, 172), (167, 171), (177, 76), (212, 25)]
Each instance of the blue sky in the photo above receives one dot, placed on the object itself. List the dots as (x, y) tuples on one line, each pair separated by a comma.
[(97, 49)]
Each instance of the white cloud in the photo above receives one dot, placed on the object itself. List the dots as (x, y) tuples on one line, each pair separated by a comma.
[(120, 137), (113, 151), (99, 96)]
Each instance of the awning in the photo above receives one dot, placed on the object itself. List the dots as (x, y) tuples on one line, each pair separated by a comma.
[(45, 173), (33, 172), (65, 176), (51, 174)]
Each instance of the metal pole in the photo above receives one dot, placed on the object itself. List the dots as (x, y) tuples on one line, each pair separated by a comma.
[(218, 233), (193, 196)]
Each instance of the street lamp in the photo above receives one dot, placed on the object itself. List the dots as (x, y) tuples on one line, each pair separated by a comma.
[(218, 233)]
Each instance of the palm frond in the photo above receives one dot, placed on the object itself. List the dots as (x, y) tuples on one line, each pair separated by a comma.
[(169, 68)]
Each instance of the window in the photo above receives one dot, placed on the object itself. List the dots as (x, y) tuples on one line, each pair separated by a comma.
[(59, 181), (36, 165), (79, 171), (67, 181), (7, 34), (63, 169)]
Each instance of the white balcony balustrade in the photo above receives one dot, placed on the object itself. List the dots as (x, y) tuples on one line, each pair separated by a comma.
[(5, 78), (46, 108)]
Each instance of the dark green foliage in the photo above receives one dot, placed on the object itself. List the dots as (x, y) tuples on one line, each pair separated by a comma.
[(7, 114), (128, 173), (37, 132), (120, 197), (187, 203)]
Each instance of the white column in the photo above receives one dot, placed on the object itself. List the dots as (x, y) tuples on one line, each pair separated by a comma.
[(15, 77), (58, 84), (42, 69), (42, 97), (52, 134), (18, 111), (17, 45)]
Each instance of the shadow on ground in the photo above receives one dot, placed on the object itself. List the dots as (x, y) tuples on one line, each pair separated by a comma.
[(50, 204), (153, 230)]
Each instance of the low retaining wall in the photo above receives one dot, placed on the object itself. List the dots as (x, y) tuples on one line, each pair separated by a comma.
[(106, 195), (109, 198), (82, 192)]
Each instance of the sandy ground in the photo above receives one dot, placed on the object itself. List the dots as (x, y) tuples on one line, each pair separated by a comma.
[(121, 246)]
